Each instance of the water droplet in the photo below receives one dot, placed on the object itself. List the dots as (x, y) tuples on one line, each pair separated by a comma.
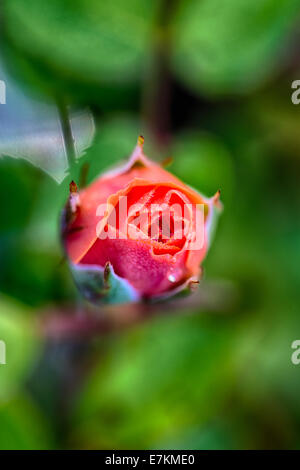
[(175, 274)]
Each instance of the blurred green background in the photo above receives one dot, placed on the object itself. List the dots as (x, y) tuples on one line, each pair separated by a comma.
[(208, 82)]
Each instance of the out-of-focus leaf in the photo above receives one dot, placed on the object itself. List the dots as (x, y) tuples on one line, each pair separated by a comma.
[(18, 185), (267, 349), (278, 120), (37, 76), (21, 347), (30, 253), (229, 47), (102, 41), (215, 436), (203, 162), (22, 426), (34, 275), (157, 379), (31, 129)]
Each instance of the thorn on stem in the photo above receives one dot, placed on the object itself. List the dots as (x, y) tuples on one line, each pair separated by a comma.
[(107, 269), (193, 285), (141, 141), (216, 199), (73, 202), (73, 187)]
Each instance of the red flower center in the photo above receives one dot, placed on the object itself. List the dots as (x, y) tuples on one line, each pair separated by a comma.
[(155, 214)]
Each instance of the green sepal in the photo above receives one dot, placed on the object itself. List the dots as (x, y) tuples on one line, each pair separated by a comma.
[(102, 285), (184, 290)]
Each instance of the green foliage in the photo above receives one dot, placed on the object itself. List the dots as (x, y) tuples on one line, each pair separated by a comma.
[(156, 381), (98, 41), (21, 347), (204, 163), (17, 432), (18, 183), (31, 272), (230, 47)]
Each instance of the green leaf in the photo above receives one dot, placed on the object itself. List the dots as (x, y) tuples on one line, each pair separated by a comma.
[(215, 436), (19, 182), (20, 346), (99, 41), (230, 46), (22, 426), (203, 161)]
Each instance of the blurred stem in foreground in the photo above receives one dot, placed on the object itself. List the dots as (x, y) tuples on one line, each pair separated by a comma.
[(219, 297)]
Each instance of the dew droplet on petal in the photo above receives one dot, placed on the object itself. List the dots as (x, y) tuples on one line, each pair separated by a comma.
[(175, 274)]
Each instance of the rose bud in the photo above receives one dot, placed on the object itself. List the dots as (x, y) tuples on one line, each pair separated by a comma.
[(137, 232)]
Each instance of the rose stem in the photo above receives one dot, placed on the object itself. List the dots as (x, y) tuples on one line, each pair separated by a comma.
[(66, 130), (156, 90)]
